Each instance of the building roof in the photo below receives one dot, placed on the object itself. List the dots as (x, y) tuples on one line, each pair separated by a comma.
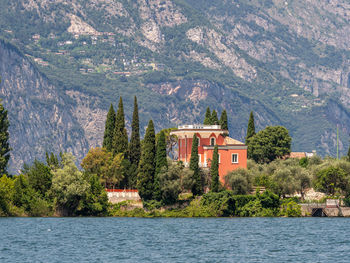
[(297, 155), (231, 141)]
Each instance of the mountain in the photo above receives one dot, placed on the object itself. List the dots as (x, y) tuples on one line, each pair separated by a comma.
[(63, 62)]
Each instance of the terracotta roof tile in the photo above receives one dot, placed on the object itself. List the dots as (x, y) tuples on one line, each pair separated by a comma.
[(231, 141)]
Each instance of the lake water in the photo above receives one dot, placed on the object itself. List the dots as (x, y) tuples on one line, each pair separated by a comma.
[(174, 240)]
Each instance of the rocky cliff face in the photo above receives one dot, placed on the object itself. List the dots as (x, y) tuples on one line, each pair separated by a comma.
[(41, 118), (288, 61)]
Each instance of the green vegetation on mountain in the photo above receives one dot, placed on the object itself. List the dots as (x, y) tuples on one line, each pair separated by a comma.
[(181, 57)]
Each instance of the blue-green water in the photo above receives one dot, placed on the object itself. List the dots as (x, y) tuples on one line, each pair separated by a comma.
[(174, 240)]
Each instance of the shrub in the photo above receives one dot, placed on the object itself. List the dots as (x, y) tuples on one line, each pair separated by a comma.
[(255, 209), (269, 200), (291, 209), (239, 181)]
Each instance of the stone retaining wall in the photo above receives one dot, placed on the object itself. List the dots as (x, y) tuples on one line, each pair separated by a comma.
[(118, 195)]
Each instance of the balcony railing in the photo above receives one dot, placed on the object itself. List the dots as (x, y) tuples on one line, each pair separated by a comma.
[(200, 127)]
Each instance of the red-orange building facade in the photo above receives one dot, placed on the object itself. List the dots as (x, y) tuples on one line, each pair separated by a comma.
[(232, 153)]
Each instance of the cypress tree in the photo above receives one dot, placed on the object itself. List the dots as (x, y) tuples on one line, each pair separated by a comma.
[(161, 161), (120, 138), (145, 178), (135, 144), (214, 170), (223, 120), (250, 129), (197, 186), (134, 151), (109, 129), (4, 140), (214, 118), (207, 119)]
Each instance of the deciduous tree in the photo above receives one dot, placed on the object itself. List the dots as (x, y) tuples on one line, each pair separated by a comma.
[(107, 167), (269, 144), (170, 182), (68, 186), (331, 180)]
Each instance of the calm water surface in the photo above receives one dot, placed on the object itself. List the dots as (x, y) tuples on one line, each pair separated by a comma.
[(174, 240)]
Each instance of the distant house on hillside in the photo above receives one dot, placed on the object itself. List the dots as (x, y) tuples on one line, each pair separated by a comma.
[(300, 155), (232, 153)]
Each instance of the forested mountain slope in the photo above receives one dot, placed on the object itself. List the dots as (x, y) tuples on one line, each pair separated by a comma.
[(68, 60)]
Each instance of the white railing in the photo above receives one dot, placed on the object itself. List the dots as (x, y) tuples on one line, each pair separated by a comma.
[(199, 127)]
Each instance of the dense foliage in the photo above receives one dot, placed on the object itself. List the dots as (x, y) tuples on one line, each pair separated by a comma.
[(270, 144), (109, 130), (134, 150), (250, 129), (223, 120), (194, 166), (147, 166), (4, 140), (214, 171), (120, 139)]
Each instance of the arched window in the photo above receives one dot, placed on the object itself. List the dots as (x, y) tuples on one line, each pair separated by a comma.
[(212, 141)]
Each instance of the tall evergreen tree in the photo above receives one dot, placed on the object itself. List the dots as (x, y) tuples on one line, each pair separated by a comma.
[(120, 139), (145, 178), (161, 162), (109, 129), (223, 120), (250, 129), (135, 144), (207, 119), (214, 170), (214, 118), (194, 166), (4, 140), (134, 151)]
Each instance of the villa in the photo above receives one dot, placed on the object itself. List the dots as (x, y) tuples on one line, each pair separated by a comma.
[(232, 153)]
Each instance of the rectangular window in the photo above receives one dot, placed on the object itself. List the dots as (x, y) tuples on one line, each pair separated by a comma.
[(199, 141), (199, 158), (205, 160), (234, 158), (219, 158)]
